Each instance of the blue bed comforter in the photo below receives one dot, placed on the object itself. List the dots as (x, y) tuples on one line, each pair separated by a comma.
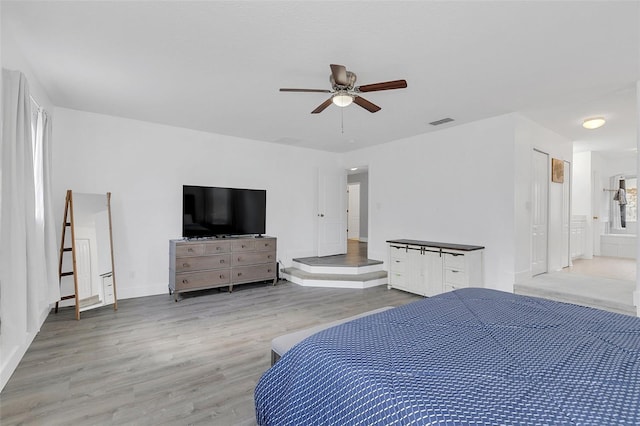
[(471, 356)]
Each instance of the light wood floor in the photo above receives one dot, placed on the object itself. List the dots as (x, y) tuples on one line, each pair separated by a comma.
[(155, 361), (616, 268)]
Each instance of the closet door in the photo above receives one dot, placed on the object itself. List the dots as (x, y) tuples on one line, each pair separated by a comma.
[(539, 204)]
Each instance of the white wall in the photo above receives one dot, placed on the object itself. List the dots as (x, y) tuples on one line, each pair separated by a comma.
[(454, 185), (636, 294), (469, 184), (582, 189), (144, 166), (529, 136)]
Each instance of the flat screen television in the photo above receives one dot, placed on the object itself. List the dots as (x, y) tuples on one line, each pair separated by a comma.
[(212, 211)]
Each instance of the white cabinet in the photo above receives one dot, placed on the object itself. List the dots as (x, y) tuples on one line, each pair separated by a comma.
[(415, 270), (429, 268)]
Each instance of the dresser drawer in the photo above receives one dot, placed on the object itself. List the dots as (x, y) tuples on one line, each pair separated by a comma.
[(398, 278), (217, 247), (455, 261), (265, 244), (243, 245), (253, 273), (398, 265), (203, 262), (455, 277), (203, 279), (188, 249), (449, 287), (253, 257)]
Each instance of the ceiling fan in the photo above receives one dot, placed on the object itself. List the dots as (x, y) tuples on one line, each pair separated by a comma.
[(344, 91)]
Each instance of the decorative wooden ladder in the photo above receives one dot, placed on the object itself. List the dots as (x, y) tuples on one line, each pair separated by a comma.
[(67, 222)]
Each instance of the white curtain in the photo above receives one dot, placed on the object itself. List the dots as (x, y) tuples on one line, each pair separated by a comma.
[(25, 247), (44, 208)]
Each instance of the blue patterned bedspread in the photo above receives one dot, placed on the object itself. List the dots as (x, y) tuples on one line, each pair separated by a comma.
[(471, 356)]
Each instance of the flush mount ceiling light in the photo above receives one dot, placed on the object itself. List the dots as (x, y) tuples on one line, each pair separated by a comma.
[(342, 99), (593, 123)]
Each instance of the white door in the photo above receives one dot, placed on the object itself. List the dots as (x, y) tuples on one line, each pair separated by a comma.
[(566, 215), (540, 202), (332, 211), (83, 268), (353, 214)]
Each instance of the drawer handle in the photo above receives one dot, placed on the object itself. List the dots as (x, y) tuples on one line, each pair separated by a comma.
[(239, 259), (453, 270), (269, 257), (239, 273), (218, 248), (221, 276), (185, 281), (397, 261), (268, 270), (190, 249), (243, 246), (221, 260), (266, 244), (185, 265)]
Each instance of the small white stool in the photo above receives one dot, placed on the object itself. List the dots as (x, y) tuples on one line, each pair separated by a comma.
[(281, 344)]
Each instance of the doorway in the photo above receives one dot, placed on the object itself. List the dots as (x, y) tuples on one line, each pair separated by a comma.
[(353, 211), (358, 211)]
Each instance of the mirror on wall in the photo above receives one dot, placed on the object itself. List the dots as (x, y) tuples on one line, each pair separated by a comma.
[(88, 218)]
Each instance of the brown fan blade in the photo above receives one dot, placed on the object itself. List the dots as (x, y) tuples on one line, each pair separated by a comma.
[(339, 73), (322, 106), (306, 90), (387, 85), (371, 107)]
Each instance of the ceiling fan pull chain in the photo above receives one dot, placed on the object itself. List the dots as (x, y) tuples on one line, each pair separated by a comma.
[(342, 120)]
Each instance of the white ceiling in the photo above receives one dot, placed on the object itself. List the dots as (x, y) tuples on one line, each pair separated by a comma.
[(216, 66)]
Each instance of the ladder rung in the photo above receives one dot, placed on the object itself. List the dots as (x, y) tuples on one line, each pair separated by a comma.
[(67, 249), (67, 224), (66, 274), (73, 296)]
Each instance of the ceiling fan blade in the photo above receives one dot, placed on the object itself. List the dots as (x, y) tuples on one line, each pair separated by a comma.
[(322, 106), (371, 107), (339, 73), (306, 90), (387, 85)]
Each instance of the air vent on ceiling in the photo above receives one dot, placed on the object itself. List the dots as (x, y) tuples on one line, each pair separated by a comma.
[(441, 121)]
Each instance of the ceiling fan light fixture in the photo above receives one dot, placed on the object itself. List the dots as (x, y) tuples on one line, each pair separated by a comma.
[(342, 99), (593, 123)]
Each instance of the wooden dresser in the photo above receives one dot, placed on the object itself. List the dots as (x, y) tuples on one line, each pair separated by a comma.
[(220, 262)]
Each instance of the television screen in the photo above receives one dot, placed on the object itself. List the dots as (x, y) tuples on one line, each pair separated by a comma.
[(211, 211)]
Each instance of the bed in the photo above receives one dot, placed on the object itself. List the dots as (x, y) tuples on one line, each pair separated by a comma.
[(470, 356)]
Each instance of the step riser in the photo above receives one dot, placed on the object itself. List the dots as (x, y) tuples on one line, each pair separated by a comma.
[(345, 270), (306, 282)]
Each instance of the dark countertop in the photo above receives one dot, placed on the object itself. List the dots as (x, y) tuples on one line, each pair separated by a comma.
[(461, 247)]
